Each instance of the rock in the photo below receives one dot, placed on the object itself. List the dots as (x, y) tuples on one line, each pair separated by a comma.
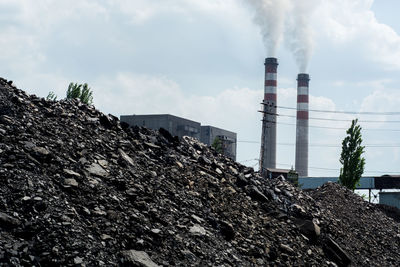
[(103, 163), (71, 173), (257, 195), (136, 258), (188, 254), (271, 195), (227, 230), (180, 165), (41, 153), (8, 221), (71, 182), (168, 136), (286, 248), (241, 181), (309, 228), (197, 218), (233, 170), (151, 145), (97, 170), (298, 209), (78, 260), (125, 157), (106, 121), (336, 253), (156, 231), (105, 237), (204, 160), (197, 230)]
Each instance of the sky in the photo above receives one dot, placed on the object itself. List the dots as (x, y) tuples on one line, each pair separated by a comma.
[(204, 60)]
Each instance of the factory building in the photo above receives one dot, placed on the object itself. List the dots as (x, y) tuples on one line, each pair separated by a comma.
[(176, 126), (180, 127)]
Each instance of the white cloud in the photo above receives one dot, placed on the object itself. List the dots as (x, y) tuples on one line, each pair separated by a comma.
[(354, 22), (129, 93)]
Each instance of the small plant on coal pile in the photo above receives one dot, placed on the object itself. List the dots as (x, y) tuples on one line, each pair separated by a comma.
[(293, 177), (217, 145), (51, 96), (81, 91), (351, 157)]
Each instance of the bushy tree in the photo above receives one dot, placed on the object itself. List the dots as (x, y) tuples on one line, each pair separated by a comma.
[(351, 157), (81, 91)]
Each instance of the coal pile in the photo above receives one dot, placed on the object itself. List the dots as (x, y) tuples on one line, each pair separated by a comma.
[(78, 188)]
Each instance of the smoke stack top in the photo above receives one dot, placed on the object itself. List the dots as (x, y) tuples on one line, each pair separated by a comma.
[(271, 66), (303, 79), (271, 61)]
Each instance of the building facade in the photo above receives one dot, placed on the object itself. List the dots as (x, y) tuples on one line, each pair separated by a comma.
[(180, 127), (176, 126)]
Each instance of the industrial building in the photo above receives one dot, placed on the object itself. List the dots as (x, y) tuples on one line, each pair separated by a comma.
[(180, 127), (176, 126)]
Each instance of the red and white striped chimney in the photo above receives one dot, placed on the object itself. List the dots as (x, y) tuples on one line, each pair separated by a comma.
[(301, 164), (268, 139)]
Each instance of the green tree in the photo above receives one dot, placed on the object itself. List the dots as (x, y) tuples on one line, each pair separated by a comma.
[(51, 96), (351, 157), (217, 145), (81, 91)]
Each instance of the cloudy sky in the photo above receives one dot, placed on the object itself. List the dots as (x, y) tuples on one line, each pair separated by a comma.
[(203, 60)]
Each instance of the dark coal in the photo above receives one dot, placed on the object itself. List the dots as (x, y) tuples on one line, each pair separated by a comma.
[(77, 188)]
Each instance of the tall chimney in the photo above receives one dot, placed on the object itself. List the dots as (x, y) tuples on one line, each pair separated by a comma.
[(302, 125), (268, 138)]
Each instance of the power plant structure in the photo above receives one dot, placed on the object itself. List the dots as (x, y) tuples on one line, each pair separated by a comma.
[(301, 164), (268, 135), (269, 121)]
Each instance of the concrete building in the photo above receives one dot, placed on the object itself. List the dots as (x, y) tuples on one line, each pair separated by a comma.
[(390, 199), (180, 127), (228, 139), (177, 126)]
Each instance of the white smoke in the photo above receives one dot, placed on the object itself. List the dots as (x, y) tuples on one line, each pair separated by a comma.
[(288, 19), (270, 16)]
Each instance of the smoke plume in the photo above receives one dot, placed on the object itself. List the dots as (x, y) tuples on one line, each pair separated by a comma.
[(288, 20), (270, 16)]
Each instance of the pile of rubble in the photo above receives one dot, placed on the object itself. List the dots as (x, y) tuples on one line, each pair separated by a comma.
[(78, 188)]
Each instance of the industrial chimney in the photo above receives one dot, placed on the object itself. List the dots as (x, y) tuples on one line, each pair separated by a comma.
[(302, 125), (268, 137)]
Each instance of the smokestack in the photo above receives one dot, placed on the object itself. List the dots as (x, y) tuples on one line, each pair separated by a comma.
[(268, 137), (302, 125)]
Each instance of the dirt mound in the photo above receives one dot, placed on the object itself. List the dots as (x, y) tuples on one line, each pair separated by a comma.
[(77, 188)]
